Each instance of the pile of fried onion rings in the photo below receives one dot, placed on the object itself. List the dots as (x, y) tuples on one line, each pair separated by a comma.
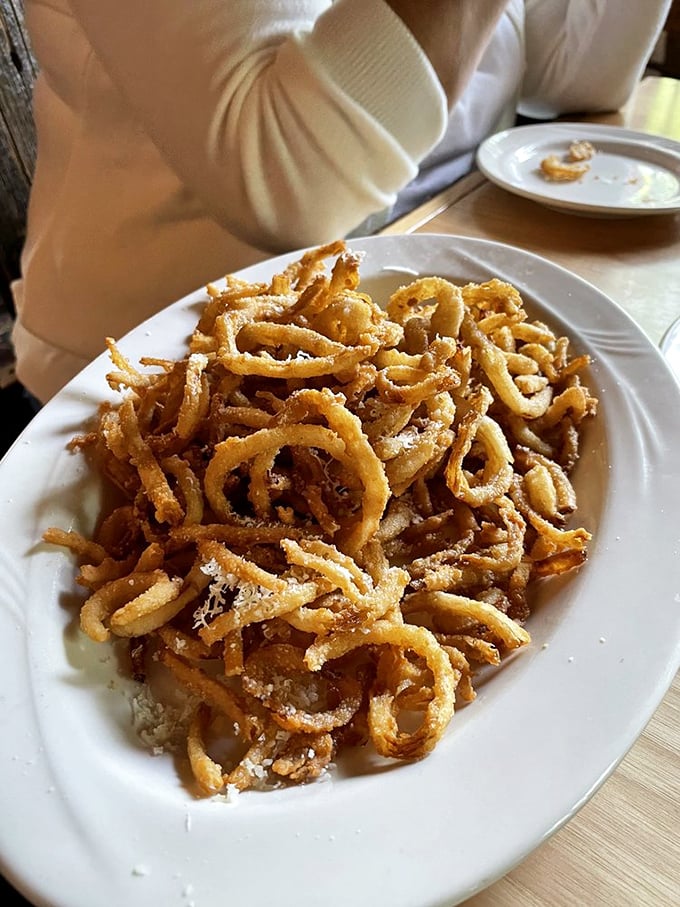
[(330, 511)]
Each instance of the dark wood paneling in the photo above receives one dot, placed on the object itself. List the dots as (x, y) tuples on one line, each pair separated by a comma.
[(671, 63), (17, 138)]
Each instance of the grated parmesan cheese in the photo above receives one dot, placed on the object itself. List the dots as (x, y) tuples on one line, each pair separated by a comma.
[(159, 726), (220, 591), (217, 591), (231, 793)]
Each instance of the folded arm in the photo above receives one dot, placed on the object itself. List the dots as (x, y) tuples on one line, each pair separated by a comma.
[(290, 121)]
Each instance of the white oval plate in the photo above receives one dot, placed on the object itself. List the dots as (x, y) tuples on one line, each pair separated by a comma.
[(631, 173), (92, 819)]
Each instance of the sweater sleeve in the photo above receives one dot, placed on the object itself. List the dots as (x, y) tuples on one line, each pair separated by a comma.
[(587, 55), (279, 116)]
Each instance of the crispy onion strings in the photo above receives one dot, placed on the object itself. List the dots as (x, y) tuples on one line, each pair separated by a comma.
[(329, 513)]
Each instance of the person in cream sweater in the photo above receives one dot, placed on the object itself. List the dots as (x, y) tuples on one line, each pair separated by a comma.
[(180, 141)]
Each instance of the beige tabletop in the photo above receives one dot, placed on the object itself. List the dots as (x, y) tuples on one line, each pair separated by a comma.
[(622, 849)]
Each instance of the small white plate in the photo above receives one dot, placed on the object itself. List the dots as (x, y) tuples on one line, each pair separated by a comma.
[(631, 173), (91, 819)]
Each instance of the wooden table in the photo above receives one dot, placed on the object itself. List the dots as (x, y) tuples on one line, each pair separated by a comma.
[(623, 848)]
